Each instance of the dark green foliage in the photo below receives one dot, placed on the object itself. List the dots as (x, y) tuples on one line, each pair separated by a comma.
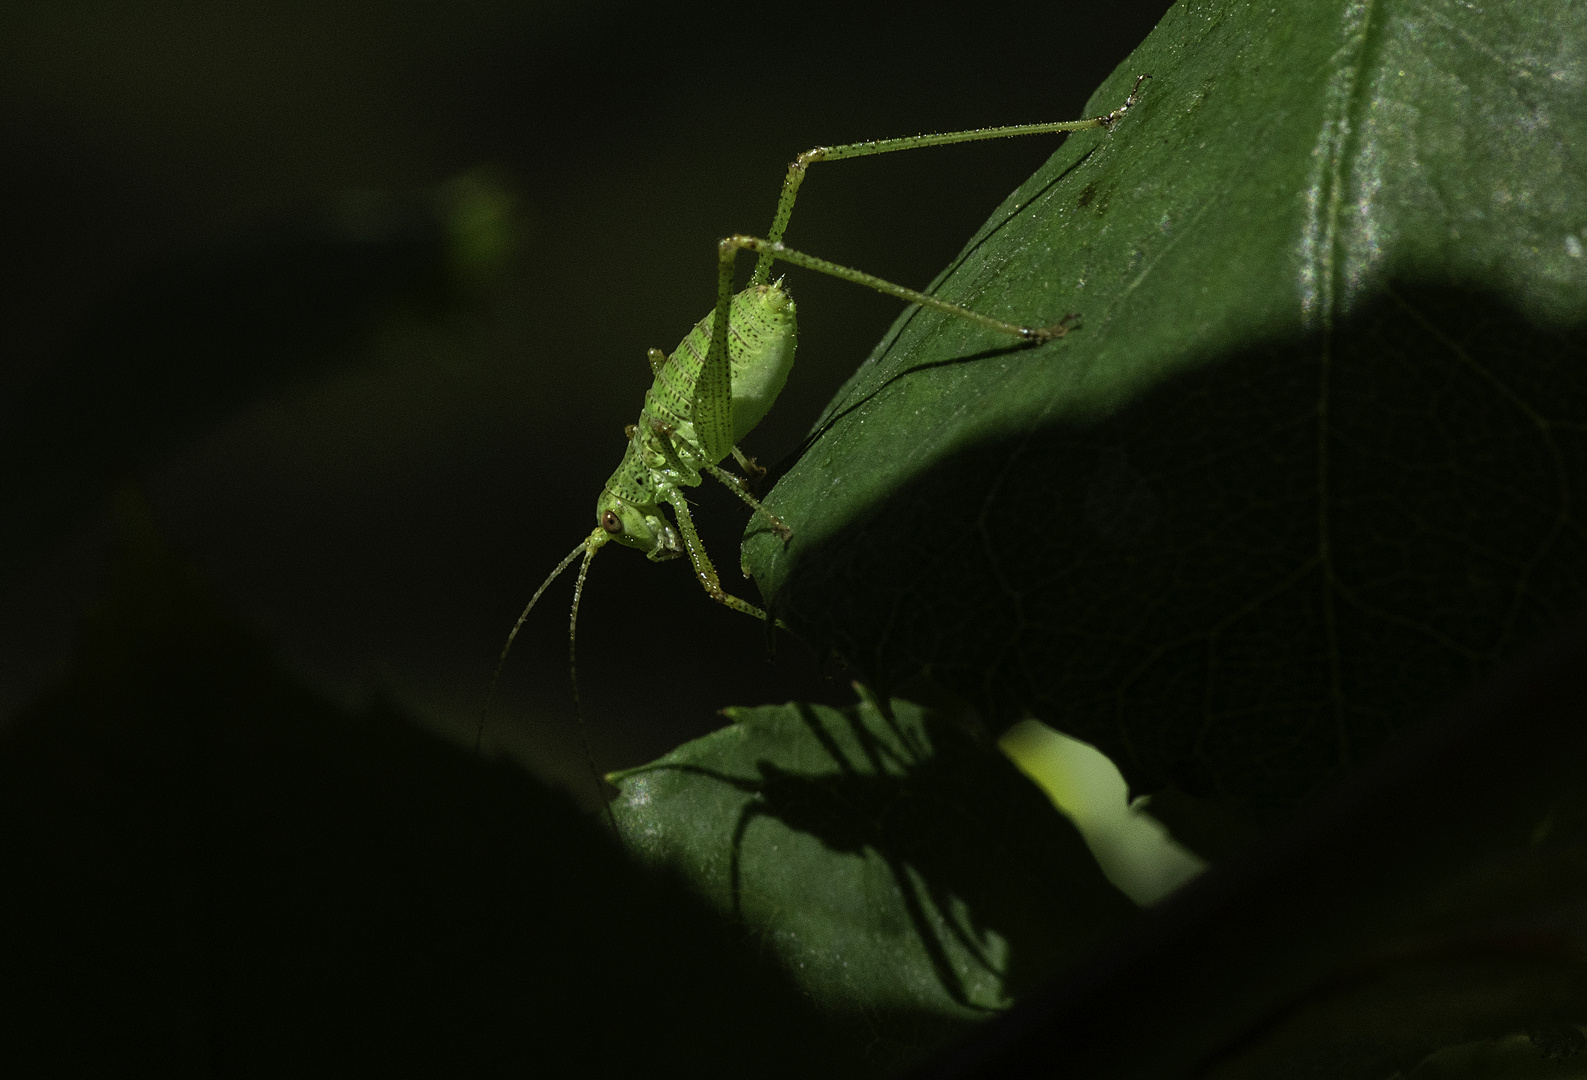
[(1313, 459), (906, 875), (187, 345)]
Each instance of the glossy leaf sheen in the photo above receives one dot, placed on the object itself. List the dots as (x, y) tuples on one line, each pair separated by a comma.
[(903, 872), (1312, 460)]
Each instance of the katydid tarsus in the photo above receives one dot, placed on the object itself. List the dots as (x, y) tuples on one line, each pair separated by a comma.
[(725, 375)]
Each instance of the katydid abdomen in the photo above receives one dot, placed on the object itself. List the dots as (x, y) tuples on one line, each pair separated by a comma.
[(760, 352), (665, 451)]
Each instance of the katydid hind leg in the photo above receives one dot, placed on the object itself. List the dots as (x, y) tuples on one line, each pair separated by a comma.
[(732, 245), (796, 170), (713, 391)]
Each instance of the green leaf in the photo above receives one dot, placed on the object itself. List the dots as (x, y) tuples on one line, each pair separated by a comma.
[(906, 874), (1310, 462)]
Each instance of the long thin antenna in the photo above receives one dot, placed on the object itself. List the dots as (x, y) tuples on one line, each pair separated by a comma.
[(573, 674), (479, 734)]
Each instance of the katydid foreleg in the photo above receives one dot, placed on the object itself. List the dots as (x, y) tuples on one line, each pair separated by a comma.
[(733, 483)]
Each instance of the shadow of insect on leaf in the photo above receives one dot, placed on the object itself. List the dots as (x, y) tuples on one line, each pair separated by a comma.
[(996, 886)]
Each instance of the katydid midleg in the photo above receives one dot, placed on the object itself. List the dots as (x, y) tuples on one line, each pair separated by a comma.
[(725, 375)]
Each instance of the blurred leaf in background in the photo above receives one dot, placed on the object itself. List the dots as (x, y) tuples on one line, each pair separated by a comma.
[(209, 869), (186, 347)]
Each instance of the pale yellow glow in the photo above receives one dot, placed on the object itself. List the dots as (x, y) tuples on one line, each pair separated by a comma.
[(1132, 847)]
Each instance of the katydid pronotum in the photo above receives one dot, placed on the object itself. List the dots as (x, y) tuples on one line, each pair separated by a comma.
[(723, 378)]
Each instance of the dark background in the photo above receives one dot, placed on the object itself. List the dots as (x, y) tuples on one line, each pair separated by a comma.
[(379, 464)]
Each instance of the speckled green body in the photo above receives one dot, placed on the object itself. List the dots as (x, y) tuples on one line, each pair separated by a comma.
[(667, 450), (726, 375)]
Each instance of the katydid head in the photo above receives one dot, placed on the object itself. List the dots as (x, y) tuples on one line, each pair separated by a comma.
[(636, 526)]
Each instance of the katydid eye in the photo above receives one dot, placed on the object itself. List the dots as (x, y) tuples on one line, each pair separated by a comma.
[(611, 523)]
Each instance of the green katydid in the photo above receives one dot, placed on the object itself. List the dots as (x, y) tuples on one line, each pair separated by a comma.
[(723, 378)]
